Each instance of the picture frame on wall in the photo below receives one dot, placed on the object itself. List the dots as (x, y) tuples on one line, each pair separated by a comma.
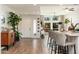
[(3, 20)]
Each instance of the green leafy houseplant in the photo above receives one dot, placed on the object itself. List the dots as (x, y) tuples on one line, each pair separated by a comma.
[(18, 35), (13, 20), (66, 21)]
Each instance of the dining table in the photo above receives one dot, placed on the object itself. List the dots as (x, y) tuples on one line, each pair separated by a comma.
[(72, 35)]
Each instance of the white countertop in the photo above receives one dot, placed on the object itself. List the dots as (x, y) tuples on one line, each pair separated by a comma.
[(69, 33)]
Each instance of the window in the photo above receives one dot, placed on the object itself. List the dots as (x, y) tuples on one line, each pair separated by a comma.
[(46, 18), (55, 26), (34, 26), (55, 18)]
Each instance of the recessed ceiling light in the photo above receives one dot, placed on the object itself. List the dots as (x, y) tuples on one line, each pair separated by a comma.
[(34, 4)]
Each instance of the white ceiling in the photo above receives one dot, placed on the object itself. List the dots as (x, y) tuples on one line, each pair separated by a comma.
[(25, 8), (41, 8)]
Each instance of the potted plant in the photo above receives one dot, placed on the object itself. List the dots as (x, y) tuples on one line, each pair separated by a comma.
[(66, 21), (18, 36), (73, 27), (13, 20)]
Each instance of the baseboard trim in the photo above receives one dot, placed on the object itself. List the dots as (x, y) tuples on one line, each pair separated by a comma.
[(29, 38)]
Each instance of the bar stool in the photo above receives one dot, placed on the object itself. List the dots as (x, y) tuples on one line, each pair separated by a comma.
[(61, 42), (51, 41)]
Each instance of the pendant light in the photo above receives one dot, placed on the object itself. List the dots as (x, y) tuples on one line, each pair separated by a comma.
[(54, 17)]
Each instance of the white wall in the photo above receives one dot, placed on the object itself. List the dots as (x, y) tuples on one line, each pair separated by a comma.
[(3, 13), (26, 26)]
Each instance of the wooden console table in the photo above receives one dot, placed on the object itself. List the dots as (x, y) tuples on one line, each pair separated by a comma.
[(7, 39)]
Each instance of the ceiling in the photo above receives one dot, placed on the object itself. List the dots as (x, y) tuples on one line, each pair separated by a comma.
[(25, 8), (41, 8)]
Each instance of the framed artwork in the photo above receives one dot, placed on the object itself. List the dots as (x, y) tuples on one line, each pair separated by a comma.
[(3, 20), (55, 26), (47, 25)]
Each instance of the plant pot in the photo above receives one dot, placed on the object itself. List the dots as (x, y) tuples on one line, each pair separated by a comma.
[(17, 38), (42, 36)]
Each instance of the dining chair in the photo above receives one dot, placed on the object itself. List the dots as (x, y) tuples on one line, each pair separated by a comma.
[(62, 43)]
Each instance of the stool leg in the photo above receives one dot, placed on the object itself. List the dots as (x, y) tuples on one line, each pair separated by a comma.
[(67, 49), (51, 51), (7, 47), (48, 41), (51, 48), (74, 49), (64, 50), (55, 48), (58, 49)]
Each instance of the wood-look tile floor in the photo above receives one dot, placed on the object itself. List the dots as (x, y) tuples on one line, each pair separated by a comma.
[(28, 46)]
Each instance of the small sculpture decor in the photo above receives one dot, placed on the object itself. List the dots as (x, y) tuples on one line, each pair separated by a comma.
[(72, 27)]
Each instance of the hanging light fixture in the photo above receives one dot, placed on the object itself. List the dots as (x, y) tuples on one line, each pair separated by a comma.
[(54, 17)]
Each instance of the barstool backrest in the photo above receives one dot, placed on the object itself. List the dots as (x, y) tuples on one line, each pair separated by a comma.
[(60, 38), (51, 34)]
